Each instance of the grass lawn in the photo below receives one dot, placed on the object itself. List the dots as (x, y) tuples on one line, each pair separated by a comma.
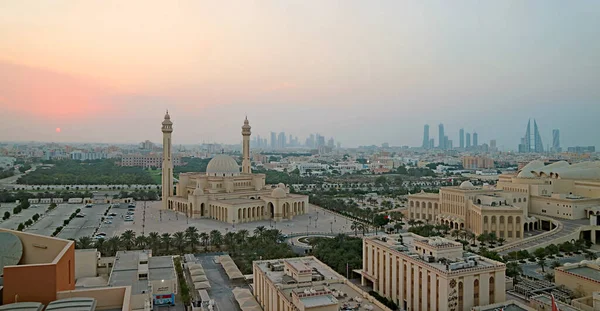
[(156, 176)]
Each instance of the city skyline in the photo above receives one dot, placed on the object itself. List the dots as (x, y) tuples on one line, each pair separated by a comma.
[(361, 73)]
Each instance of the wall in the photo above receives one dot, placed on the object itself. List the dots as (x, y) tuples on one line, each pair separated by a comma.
[(575, 283), (106, 298), (39, 249), (86, 263), (30, 283)]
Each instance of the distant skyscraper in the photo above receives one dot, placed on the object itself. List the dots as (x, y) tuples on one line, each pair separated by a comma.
[(493, 144), (273, 140), (468, 145), (426, 136), (281, 140), (531, 143), (461, 138), (475, 139), (556, 140), (431, 143), (441, 136)]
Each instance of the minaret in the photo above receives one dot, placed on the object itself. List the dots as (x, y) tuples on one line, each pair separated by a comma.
[(167, 165), (246, 147)]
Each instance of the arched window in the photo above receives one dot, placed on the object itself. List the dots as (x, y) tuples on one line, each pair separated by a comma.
[(476, 293), (492, 290), (485, 219), (493, 219)]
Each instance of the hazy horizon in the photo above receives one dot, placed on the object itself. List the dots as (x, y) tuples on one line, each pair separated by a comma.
[(362, 72)]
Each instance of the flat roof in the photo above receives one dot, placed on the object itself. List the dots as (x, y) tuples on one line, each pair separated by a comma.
[(585, 272), (510, 307), (72, 304), (316, 301), (22, 306)]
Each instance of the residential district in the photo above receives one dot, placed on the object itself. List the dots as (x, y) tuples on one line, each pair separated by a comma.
[(285, 225)]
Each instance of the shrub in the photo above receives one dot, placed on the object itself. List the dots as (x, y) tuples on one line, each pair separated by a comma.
[(65, 222), (35, 217), (388, 303), (21, 227), (6, 215), (28, 222)]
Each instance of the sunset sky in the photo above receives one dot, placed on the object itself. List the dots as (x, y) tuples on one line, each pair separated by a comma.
[(364, 72)]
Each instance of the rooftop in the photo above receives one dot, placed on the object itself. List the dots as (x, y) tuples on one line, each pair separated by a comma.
[(412, 245), (22, 306), (585, 271), (325, 288), (72, 304), (125, 271)]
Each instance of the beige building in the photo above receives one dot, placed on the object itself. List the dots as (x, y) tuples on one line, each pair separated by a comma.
[(475, 162), (518, 202), (226, 194), (146, 160), (477, 209), (582, 278), (306, 284), (430, 273)]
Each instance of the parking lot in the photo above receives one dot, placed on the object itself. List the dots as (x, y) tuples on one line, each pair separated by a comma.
[(53, 219), (84, 226), (118, 224), (14, 220)]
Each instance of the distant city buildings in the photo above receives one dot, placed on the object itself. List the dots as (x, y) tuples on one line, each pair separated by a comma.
[(147, 160), (478, 162), (86, 156), (442, 137), (556, 140), (426, 142), (461, 137), (582, 149), (531, 142)]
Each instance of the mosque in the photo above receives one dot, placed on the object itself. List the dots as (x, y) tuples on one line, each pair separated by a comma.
[(223, 192)]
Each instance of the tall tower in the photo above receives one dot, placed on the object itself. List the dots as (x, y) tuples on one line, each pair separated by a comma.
[(461, 138), (426, 136), (246, 147), (556, 140), (167, 165), (441, 137), (475, 140)]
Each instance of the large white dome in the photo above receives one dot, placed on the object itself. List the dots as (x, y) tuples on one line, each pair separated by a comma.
[(222, 165)]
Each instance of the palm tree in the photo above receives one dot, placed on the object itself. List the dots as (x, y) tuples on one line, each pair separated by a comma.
[(154, 242), (179, 241), (555, 264), (100, 245), (455, 234), (542, 263), (216, 238), (259, 230), (191, 234), (501, 241), (204, 238), (590, 255), (354, 227), (229, 241), (165, 238), (241, 236), (84, 242), (114, 243), (492, 237), (141, 242), (128, 239), (513, 269), (398, 226), (549, 277)]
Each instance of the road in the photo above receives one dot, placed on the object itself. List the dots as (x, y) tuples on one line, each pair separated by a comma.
[(221, 287), (530, 269), (569, 226)]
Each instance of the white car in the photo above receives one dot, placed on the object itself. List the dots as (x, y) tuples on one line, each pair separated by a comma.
[(109, 217)]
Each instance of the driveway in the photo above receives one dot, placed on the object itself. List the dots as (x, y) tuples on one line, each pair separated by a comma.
[(221, 287)]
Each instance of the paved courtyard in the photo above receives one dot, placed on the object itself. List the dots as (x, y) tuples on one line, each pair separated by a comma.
[(26, 214), (315, 220)]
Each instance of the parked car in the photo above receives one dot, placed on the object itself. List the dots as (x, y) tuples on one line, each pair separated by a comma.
[(112, 214), (109, 217), (130, 213), (80, 215), (89, 205), (108, 222)]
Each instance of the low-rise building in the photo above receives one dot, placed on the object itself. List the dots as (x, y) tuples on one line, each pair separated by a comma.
[(306, 284), (421, 273), (146, 160), (582, 278)]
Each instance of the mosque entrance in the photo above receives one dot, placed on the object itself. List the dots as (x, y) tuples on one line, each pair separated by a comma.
[(271, 209), (201, 209)]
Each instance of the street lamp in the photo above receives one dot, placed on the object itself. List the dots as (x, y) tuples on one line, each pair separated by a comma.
[(331, 223)]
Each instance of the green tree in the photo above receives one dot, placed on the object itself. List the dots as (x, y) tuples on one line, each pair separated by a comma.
[(501, 241), (165, 238), (379, 221), (6, 215), (355, 227), (100, 245), (513, 269), (140, 242), (259, 230), (555, 264), (398, 226), (128, 239), (21, 227), (204, 237), (35, 217), (542, 263), (179, 241), (84, 242), (114, 244), (216, 238), (192, 236), (540, 253), (154, 242), (590, 255)]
